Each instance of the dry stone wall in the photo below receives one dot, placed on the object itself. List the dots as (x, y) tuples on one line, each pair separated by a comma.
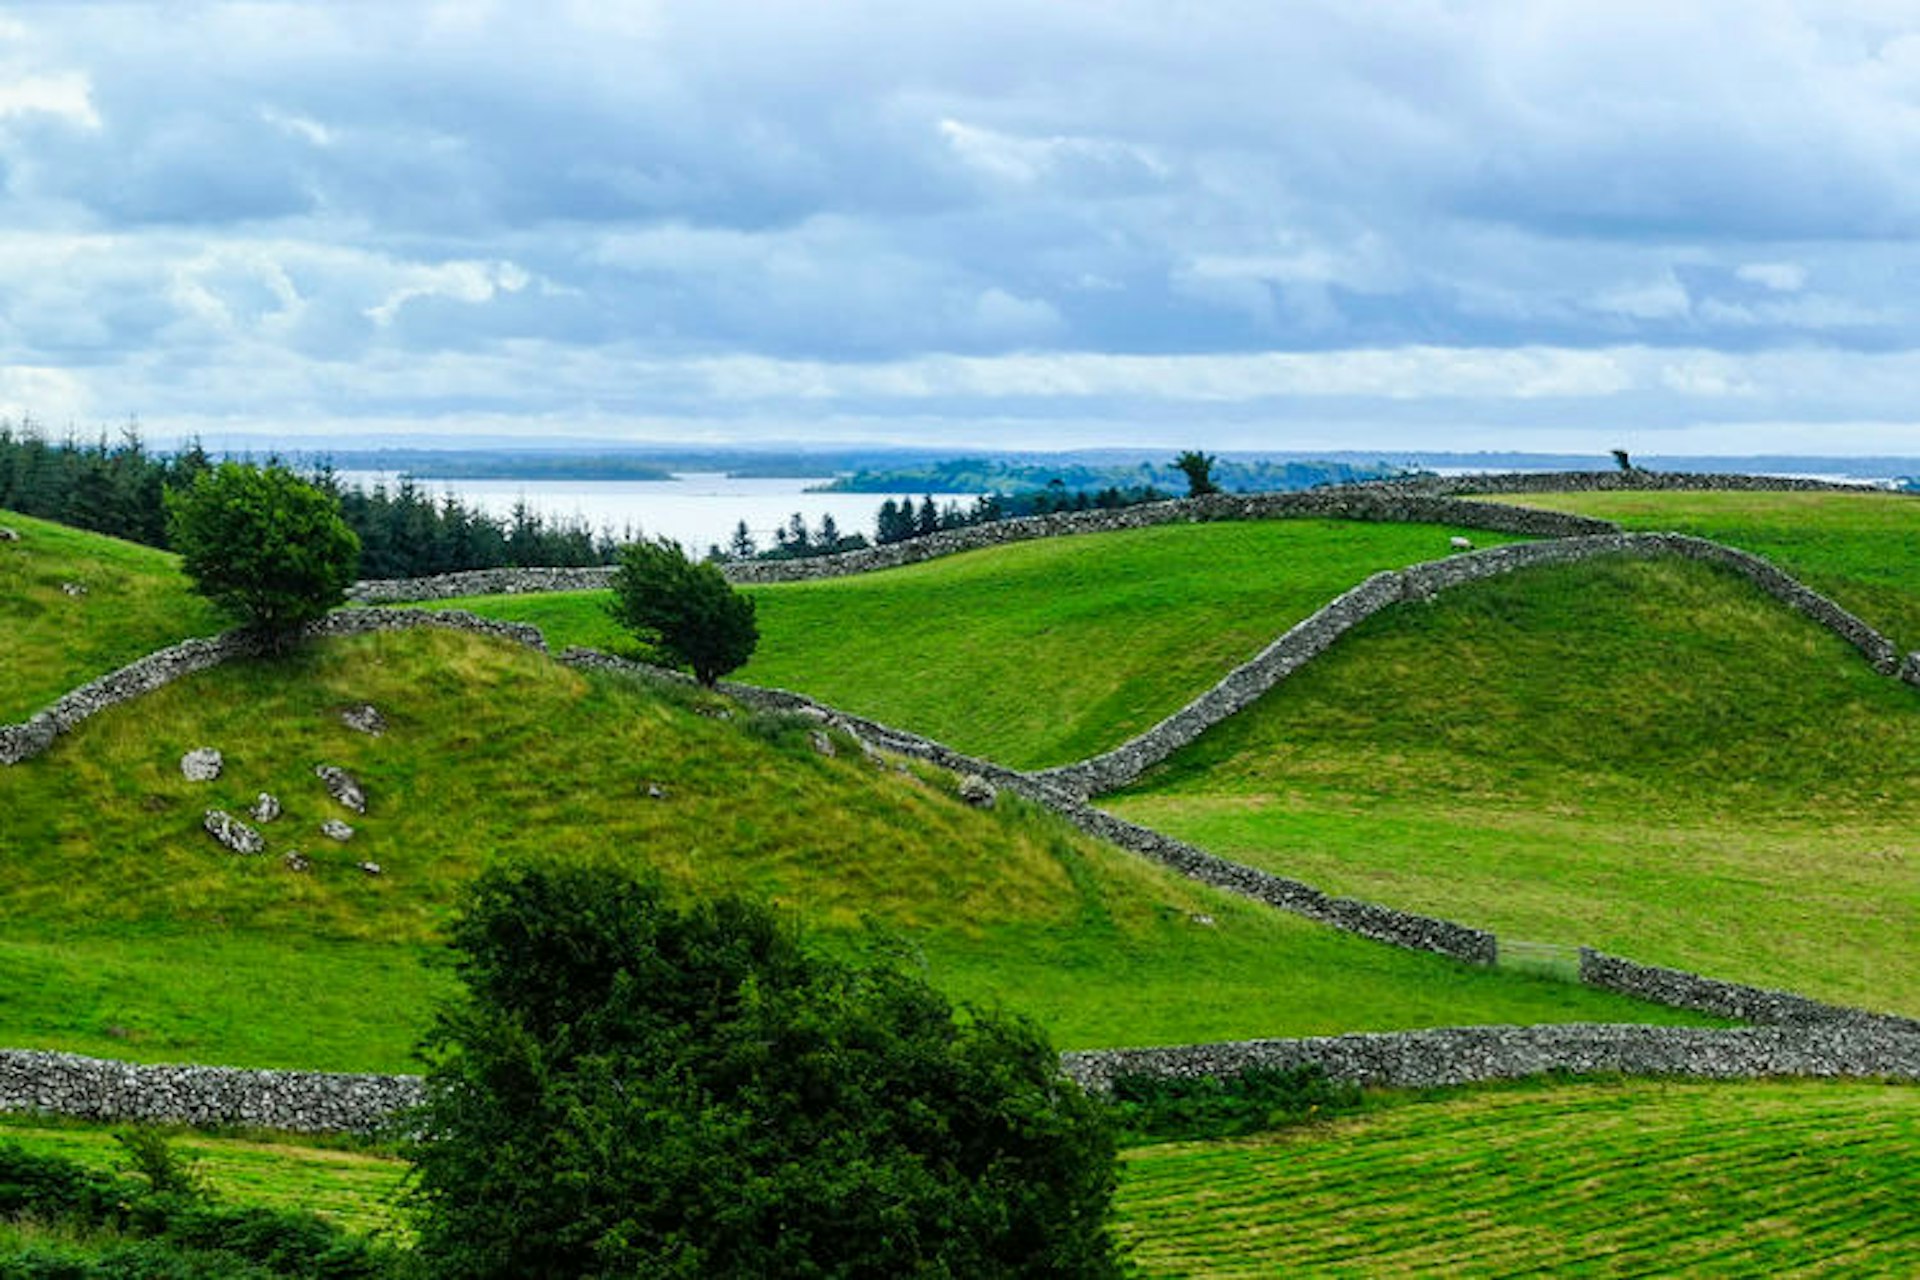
[(296, 1101), (1470, 1055), (23, 741), (1682, 990), (480, 582)]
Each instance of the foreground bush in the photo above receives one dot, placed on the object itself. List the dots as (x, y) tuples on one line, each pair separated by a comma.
[(631, 1088)]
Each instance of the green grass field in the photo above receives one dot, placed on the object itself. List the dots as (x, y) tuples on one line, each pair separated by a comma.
[(1045, 652), (354, 1185), (1863, 549), (1640, 1178), (136, 601), (1648, 757), (128, 933)]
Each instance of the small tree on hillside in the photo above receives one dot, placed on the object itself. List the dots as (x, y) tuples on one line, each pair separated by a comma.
[(687, 611), (263, 544), (630, 1088), (1198, 468)]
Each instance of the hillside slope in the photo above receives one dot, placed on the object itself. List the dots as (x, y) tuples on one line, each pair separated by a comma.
[(128, 932), (1862, 549), (1043, 652), (76, 605), (1648, 757)]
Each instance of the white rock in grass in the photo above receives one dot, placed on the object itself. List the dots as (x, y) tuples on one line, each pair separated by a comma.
[(265, 809), (342, 787), (202, 764), (365, 718), (977, 791), (334, 829), (232, 833)]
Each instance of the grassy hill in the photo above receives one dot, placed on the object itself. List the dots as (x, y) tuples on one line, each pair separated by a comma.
[(136, 600), (1861, 549), (1648, 757), (128, 932), (1041, 652), (1639, 1178)]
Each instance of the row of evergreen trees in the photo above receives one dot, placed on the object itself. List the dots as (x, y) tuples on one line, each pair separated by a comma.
[(116, 487), (899, 520)]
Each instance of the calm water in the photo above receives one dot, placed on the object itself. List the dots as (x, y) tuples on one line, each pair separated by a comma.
[(694, 510)]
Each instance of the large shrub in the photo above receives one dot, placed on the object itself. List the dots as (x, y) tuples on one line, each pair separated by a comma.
[(263, 544), (631, 1088), (688, 611)]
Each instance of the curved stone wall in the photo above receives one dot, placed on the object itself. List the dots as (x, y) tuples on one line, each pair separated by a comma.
[(1259, 675), (1682, 990), (1616, 480), (1470, 1055), (1350, 503), (23, 741)]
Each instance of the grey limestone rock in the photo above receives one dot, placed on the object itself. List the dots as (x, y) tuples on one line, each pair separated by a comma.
[(371, 868), (232, 833), (342, 786), (74, 589), (334, 829), (822, 743), (977, 791), (265, 809), (296, 860), (366, 718), (202, 764), (9, 535)]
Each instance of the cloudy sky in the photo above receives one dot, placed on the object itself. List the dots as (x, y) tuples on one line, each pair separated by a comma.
[(1674, 227)]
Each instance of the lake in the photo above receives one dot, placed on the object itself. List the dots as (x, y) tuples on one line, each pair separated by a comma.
[(696, 511)]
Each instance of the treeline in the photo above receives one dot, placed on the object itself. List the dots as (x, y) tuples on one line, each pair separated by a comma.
[(989, 475), (119, 487), (899, 520)]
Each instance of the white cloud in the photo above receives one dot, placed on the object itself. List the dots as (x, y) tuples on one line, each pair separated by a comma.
[(1662, 299), (470, 282), (66, 96), (1781, 277)]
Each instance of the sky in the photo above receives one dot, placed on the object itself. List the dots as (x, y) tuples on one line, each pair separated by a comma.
[(1669, 227)]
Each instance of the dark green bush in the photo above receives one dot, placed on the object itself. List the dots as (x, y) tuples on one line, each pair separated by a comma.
[(1158, 1109), (632, 1088)]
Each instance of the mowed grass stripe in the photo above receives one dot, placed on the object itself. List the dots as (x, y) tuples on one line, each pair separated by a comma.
[(1741, 1175), (1043, 652), (357, 1188)]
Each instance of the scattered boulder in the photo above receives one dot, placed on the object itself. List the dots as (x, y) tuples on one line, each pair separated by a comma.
[(371, 868), (232, 833), (822, 743), (202, 764), (9, 535), (655, 792), (296, 861), (265, 809), (977, 791), (342, 787), (1202, 919), (334, 829), (365, 718), (1459, 543), (74, 589)]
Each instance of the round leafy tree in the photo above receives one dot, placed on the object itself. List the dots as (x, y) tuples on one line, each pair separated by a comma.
[(686, 610), (263, 544), (634, 1088)]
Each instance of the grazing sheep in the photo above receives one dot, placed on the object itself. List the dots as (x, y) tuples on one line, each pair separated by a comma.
[(1460, 544)]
